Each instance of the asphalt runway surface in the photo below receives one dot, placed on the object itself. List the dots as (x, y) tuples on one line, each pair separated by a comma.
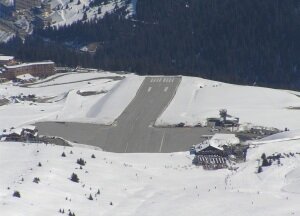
[(133, 131)]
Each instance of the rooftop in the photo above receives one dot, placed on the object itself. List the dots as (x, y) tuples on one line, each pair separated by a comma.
[(29, 64), (6, 58)]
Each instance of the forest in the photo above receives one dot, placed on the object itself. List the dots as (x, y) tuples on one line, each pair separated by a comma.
[(249, 42)]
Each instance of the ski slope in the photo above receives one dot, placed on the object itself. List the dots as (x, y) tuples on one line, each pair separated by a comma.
[(143, 184)]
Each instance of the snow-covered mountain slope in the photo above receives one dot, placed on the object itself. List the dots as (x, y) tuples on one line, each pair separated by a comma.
[(198, 99), (5, 36), (67, 12), (144, 184)]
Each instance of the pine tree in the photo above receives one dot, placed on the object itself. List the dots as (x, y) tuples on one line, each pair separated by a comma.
[(74, 178), (17, 194)]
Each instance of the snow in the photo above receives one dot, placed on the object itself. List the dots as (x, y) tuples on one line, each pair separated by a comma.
[(147, 184), (66, 15), (6, 58), (279, 137), (60, 90), (224, 139), (76, 106), (29, 64), (198, 99), (195, 100), (5, 35), (26, 77), (218, 141), (143, 184), (106, 110)]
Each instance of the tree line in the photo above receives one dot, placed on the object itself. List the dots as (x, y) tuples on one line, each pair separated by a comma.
[(245, 42)]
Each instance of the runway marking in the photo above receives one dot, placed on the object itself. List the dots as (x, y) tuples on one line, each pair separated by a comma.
[(166, 89), (149, 89), (162, 142), (126, 147)]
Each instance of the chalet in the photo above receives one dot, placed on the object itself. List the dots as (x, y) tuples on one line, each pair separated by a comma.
[(211, 157), (218, 151)]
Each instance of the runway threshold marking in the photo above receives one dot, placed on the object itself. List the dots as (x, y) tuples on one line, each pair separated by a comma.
[(149, 89), (166, 89), (162, 142)]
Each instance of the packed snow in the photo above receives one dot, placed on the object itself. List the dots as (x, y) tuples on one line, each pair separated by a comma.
[(143, 184), (198, 99)]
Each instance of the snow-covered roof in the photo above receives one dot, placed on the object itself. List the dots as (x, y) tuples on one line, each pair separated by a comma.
[(218, 141), (29, 64), (16, 131), (19, 130), (6, 58), (224, 139), (29, 127), (206, 145)]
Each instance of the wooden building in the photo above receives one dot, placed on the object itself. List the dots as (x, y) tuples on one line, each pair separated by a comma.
[(219, 151), (211, 157), (36, 69), (6, 60)]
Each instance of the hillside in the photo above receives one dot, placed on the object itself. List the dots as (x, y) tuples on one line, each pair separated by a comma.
[(144, 184), (245, 42), (67, 12)]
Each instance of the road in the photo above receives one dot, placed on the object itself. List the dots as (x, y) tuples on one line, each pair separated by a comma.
[(133, 131)]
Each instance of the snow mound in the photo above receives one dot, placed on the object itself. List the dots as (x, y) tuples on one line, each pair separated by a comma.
[(279, 137), (106, 110)]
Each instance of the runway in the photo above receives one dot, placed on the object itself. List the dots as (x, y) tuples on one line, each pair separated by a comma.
[(133, 131)]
